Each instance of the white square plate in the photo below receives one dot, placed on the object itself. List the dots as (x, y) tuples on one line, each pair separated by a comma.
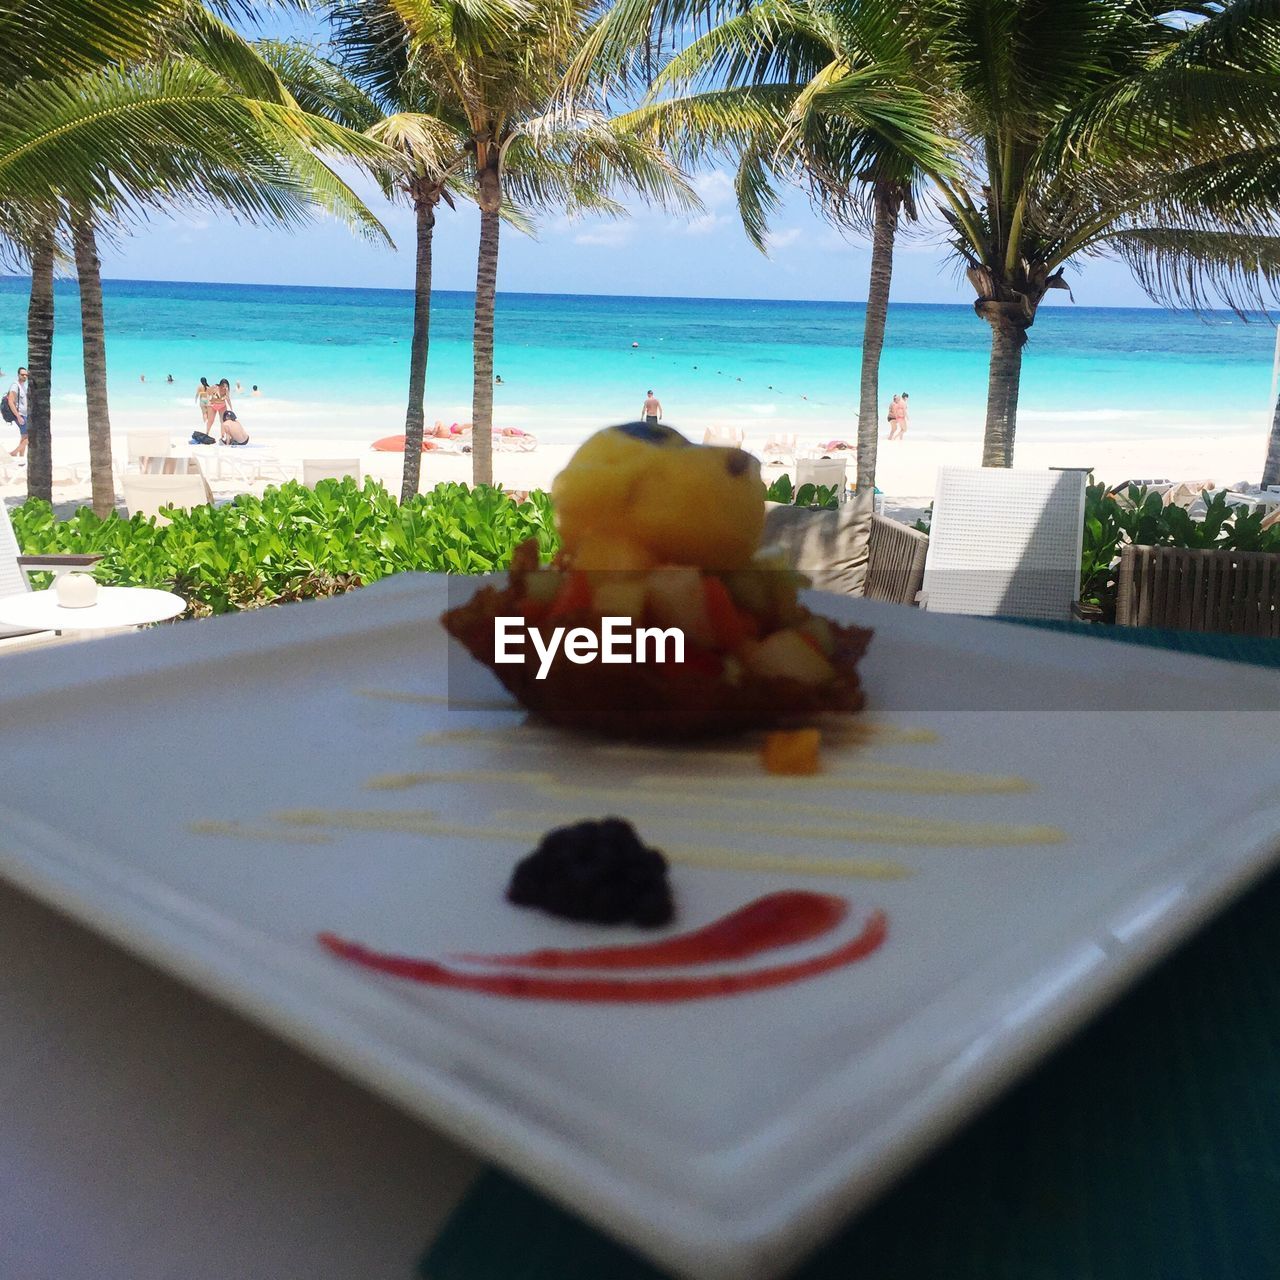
[(723, 1137)]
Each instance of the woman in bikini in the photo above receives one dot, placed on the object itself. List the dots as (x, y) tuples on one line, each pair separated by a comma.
[(219, 403), (204, 398)]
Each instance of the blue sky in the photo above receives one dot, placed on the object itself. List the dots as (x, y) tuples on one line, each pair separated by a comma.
[(648, 253)]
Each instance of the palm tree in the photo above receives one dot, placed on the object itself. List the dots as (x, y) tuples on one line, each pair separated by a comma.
[(1095, 127), (40, 364), (119, 139), (94, 339), (375, 86), (530, 135), (823, 93)]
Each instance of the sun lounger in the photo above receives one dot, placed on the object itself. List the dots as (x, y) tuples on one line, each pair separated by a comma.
[(779, 451), (316, 469), (832, 473), (147, 494), (512, 441), (141, 445), (724, 437), (1201, 589), (1005, 542), (1186, 493)]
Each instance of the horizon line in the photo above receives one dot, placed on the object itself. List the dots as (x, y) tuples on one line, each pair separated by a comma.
[(622, 297), (1248, 317)]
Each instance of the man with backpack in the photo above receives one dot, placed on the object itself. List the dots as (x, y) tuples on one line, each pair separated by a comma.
[(13, 408)]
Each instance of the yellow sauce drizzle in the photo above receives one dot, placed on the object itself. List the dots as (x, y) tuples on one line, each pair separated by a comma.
[(865, 828), (243, 831), (867, 775), (423, 822)]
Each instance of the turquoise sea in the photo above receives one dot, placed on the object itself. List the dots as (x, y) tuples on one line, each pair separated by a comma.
[(338, 359)]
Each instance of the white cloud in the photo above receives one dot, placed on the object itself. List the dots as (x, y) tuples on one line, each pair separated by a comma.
[(784, 239), (715, 189), (705, 224), (610, 235), (834, 242)]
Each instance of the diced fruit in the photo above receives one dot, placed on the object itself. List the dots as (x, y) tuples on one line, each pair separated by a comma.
[(788, 655), (750, 589), (620, 597), (730, 625), (573, 597), (818, 630), (793, 751), (676, 599)]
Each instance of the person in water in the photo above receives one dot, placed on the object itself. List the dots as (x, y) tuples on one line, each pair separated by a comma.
[(651, 412)]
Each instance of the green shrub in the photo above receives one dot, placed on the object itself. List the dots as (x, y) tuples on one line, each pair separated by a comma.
[(1140, 517), (818, 497), (295, 543)]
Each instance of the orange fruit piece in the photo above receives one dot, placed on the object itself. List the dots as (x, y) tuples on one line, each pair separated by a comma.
[(791, 751)]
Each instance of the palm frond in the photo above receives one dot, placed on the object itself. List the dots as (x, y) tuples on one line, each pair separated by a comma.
[(318, 86), (43, 39), (208, 40), (1196, 268)]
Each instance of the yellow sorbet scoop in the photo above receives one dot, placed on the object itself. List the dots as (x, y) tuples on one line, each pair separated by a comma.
[(640, 495)]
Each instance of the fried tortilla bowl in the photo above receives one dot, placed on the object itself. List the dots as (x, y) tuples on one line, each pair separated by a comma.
[(666, 701)]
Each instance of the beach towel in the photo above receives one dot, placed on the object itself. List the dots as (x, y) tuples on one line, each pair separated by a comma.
[(430, 444)]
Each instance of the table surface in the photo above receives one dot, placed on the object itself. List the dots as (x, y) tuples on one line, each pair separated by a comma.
[(160, 1135), (116, 607)]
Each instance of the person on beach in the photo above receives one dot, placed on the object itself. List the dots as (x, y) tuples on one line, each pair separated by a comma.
[(256, 392), (652, 410), (898, 416), (233, 432), (14, 408), (204, 401), (219, 403)]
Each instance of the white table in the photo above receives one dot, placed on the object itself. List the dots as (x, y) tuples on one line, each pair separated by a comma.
[(118, 608), (148, 1133)]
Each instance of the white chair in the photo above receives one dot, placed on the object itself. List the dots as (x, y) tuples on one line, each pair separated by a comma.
[(832, 473), (140, 445), (316, 469), (147, 494), (15, 571), (779, 451), (1005, 543), (725, 437)]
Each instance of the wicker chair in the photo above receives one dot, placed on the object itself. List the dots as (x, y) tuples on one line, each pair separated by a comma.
[(895, 562), (1200, 590)]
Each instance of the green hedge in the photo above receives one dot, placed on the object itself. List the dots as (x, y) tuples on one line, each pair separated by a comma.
[(295, 543)]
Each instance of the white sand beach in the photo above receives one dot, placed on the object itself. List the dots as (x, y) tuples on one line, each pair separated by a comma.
[(905, 472)]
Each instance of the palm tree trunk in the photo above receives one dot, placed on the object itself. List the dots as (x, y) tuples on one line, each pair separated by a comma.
[(887, 202), (88, 271), (40, 367), (482, 337), (1271, 468), (1008, 337), (415, 415)]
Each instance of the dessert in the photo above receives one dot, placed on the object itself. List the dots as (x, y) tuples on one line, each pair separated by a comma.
[(596, 871), (664, 535), (791, 751)]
